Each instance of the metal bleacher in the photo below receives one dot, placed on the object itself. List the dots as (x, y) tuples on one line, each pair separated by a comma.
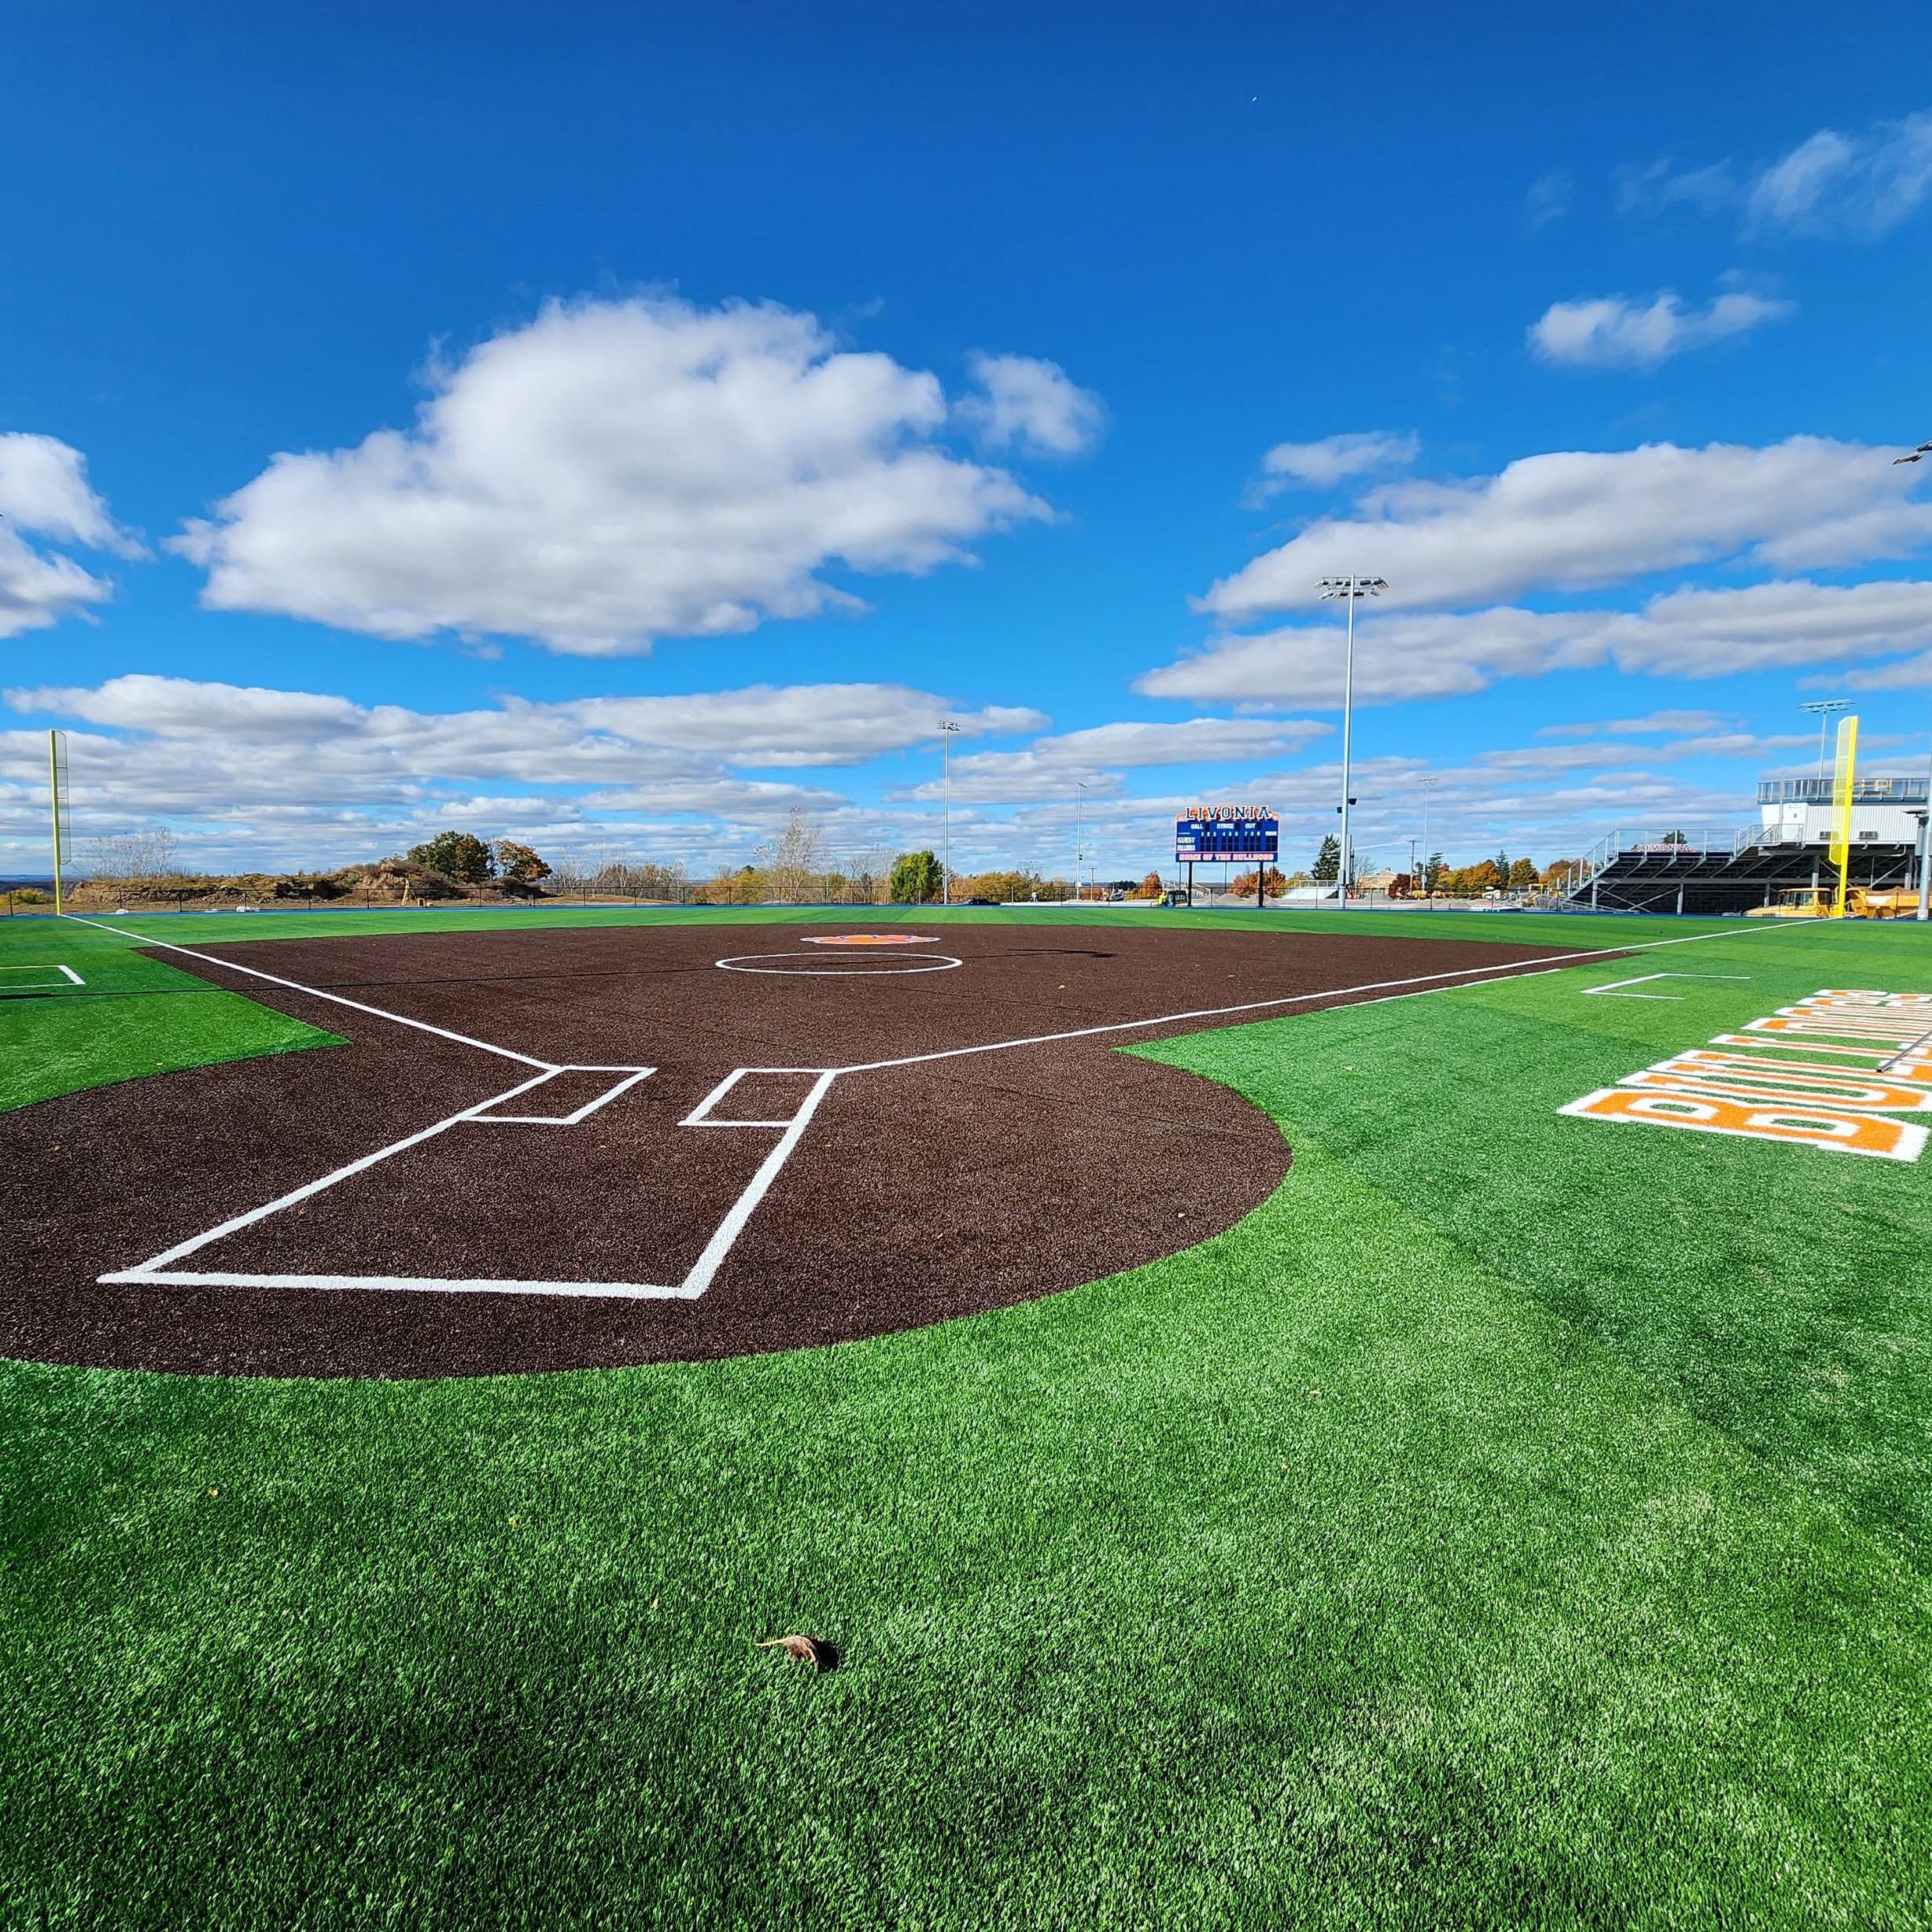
[(1648, 871)]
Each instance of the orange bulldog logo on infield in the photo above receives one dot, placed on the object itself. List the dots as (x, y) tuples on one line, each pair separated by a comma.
[(1771, 1094)]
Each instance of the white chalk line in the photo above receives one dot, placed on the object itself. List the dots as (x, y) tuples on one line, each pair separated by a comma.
[(1612, 989), (1518, 969), (52, 966), (315, 992), (158, 1270)]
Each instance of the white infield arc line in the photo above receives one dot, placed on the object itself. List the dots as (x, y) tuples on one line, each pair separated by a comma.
[(160, 1271), (889, 969)]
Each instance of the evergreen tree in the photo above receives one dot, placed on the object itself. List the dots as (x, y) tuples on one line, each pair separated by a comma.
[(915, 880), (1327, 860)]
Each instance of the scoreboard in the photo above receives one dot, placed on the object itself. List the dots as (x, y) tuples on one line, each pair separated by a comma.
[(1247, 834)]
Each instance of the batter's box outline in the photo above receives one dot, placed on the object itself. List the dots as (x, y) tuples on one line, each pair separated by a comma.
[(67, 977), (485, 1117), (163, 1270)]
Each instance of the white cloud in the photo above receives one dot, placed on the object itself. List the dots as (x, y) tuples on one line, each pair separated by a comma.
[(1857, 186), (310, 777), (1861, 185), (1576, 520), (612, 472), (1612, 331), (43, 489), (1029, 404), (1655, 723), (1334, 459), (1689, 633), (1548, 198), (1051, 767)]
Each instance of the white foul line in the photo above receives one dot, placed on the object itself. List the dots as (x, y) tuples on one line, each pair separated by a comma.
[(694, 1284), (145, 1271), (1512, 969), (313, 992)]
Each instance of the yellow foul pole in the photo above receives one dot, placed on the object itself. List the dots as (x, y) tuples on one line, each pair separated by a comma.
[(54, 775), (1841, 775)]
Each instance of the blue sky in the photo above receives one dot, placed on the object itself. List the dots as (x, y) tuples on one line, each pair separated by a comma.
[(615, 427)]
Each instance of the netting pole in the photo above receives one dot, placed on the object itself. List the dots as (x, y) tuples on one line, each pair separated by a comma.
[(56, 776)]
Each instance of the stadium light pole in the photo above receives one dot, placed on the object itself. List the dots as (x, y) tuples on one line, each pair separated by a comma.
[(1428, 788), (1825, 709), (1350, 589), (1079, 845), (948, 731)]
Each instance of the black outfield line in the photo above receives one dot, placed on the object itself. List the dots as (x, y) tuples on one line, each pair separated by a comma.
[(586, 1147)]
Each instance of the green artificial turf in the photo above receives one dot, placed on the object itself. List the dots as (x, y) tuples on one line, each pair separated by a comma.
[(132, 1015), (1511, 1522)]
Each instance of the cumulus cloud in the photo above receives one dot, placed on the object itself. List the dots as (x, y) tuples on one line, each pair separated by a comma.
[(1027, 404), (1856, 186), (1320, 465), (1689, 633), (43, 489), (617, 471), (1049, 767), (1577, 520), (1612, 331), (310, 775)]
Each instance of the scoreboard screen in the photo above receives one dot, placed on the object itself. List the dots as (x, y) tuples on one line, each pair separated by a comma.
[(1247, 834)]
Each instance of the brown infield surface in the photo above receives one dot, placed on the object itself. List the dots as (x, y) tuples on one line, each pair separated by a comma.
[(604, 1215)]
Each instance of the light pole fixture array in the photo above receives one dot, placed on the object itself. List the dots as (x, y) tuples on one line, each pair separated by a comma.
[(1825, 709), (1350, 589)]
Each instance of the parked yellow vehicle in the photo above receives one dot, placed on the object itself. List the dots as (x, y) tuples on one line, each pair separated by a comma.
[(1820, 902)]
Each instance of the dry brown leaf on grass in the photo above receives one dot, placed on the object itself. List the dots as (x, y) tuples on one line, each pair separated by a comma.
[(813, 1650)]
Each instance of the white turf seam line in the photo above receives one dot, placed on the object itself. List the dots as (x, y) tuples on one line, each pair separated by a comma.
[(1520, 969), (315, 992)]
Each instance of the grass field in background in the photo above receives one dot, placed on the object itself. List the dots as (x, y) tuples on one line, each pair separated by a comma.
[(1516, 1520), (133, 1016)]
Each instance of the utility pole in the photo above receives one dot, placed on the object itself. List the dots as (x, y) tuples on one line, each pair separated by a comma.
[(1349, 588), (948, 731)]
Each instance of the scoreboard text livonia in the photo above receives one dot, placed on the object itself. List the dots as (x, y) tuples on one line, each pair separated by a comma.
[(1248, 834)]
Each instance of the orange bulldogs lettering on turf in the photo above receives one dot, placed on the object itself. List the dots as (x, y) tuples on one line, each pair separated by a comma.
[(1898, 1066), (1770, 1093), (1843, 1133), (1743, 1077)]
